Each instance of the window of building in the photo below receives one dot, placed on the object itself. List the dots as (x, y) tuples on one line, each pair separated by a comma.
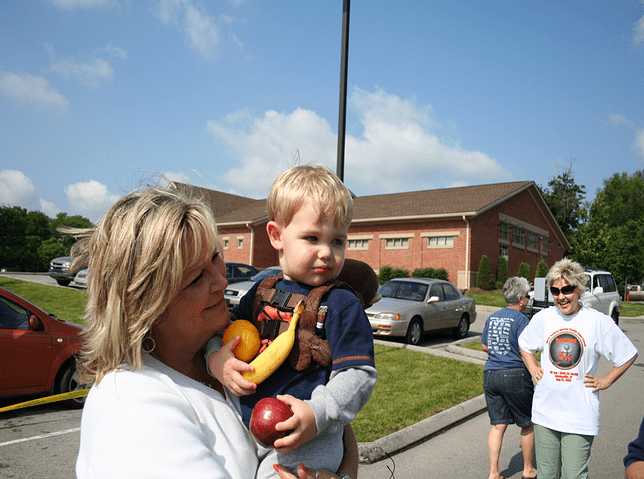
[(358, 244), (440, 241), (226, 243), (397, 243), (544, 246), (518, 236), (503, 250), (533, 241), (504, 232), (240, 242)]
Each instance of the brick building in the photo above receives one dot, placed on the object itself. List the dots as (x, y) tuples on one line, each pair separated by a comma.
[(447, 228)]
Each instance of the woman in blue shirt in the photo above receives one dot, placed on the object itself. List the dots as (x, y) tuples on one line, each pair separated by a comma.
[(507, 383)]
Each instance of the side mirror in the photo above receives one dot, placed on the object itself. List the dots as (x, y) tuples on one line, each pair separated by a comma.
[(433, 299), (598, 290), (35, 324)]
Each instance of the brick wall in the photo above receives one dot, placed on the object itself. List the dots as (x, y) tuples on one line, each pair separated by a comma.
[(417, 254)]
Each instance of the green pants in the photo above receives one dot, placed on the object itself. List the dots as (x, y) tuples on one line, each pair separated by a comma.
[(561, 455)]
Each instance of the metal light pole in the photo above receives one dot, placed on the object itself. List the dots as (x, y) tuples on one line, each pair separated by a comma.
[(342, 114)]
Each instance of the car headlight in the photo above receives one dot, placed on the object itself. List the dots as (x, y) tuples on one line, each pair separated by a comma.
[(389, 316)]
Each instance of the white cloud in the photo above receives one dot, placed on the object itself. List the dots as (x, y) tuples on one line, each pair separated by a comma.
[(638, 31), (620, 120), (79, 4), (16, 189), (49, 208), (91, 73), (115, 52), (639, 143), (397, 150), (202, 33), (31, 89), (90, 198)]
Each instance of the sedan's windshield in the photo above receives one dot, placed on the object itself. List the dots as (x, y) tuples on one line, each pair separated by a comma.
[(404, 290)]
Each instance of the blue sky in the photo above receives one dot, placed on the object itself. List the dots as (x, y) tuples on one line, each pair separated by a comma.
[(100, 96)]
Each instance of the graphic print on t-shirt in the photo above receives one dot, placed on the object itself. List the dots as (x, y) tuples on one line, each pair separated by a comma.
[(499, 335), (565, 349)]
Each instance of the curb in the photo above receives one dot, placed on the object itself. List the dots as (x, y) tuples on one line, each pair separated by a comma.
[(409, 436), (370, 452)]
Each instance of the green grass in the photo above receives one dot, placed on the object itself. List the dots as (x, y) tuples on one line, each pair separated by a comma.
[(475, 345), (487, 298), (412, 386), (631, 309), (65, 303)]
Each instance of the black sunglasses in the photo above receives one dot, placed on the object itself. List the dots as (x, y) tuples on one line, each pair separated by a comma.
[(564, 290)]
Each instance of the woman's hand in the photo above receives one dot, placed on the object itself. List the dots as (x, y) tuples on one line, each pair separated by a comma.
[(301, 424), (597, 384), (303, 472), (227, 369)]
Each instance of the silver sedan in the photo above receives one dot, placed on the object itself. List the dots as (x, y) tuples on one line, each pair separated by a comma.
[(411, 307)]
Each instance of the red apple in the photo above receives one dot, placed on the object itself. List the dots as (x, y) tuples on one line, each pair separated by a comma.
[(266, 413)]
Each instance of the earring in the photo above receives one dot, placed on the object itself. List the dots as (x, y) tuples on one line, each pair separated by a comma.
[(148, 344)]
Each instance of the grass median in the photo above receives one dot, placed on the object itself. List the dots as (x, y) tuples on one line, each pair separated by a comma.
[(411, 385), (64, 303)]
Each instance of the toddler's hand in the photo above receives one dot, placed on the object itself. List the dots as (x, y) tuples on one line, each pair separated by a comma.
[(227, 369), (301, 424)]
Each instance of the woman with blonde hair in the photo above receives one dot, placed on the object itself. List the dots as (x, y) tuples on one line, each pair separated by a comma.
[(571, 338), (155, 298)]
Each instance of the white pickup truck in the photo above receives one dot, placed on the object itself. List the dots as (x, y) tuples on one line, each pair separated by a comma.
[(601, 294)]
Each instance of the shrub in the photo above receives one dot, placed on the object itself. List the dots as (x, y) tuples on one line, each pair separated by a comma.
[(437, 273), (484, 276), (542, 269), (501, 271), (387, 272), (524, 270)]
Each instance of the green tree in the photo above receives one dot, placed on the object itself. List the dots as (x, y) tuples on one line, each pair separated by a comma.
[(542, 269), (566, 200), (484, 275), (611, 239), (49, 249), (501, 271), (524, 270), (387, 272)]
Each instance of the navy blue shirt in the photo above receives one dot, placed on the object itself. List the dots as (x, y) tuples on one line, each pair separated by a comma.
[(347, 330), (636, 448), (501, 336)]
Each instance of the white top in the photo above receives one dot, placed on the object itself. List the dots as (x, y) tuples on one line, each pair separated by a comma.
[(571, 347), (158, 423)]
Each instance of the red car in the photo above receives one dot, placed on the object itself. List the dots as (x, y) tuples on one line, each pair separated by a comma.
[(37, 350)]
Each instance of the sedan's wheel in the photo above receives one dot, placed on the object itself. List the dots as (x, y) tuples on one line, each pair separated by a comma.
[(462, 329), (615, 316), (414, 332), (63, 282), (69, 382)]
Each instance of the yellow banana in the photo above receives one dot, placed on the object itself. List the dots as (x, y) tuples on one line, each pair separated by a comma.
[(267, 362)]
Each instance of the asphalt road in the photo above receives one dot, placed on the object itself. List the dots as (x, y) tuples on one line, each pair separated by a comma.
[(41, 278), (42, 442)]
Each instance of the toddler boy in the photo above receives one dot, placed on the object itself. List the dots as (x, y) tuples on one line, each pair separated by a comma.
[(309, 211)]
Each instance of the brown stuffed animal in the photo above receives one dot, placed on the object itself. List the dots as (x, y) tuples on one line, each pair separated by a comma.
[(362, 279)]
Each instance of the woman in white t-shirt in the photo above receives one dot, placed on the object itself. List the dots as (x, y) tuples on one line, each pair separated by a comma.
[(571, 338)]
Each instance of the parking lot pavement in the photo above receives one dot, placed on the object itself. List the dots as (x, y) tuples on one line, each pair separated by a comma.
[(39, 443), (41, 278)]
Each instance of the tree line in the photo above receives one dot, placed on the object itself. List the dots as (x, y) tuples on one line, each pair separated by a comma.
[(29, 240), (605, 233)]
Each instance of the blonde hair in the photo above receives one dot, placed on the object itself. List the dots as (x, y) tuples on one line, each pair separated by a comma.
[(138, 254), (570, 271), (317, 183)]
